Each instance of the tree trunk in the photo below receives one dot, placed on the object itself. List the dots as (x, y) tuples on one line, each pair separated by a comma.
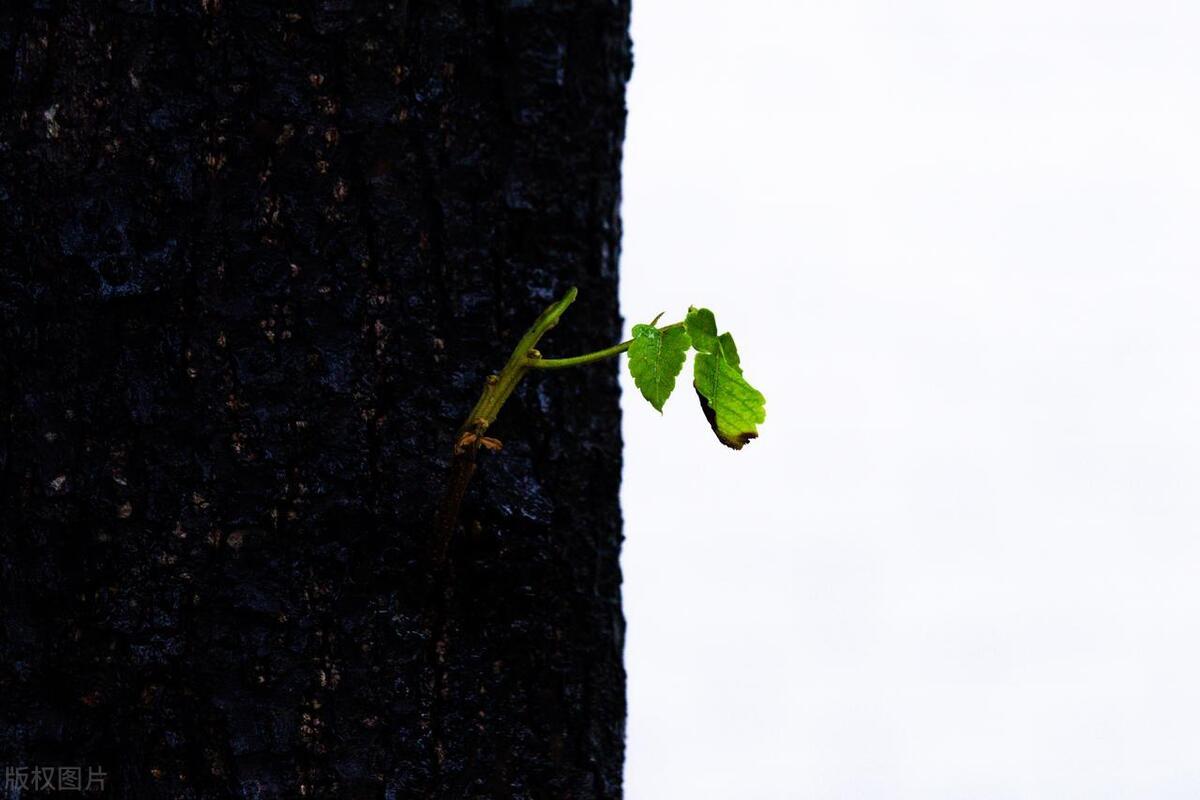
[(256, 261)]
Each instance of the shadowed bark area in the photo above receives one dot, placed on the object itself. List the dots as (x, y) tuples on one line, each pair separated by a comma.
[(256, 261)]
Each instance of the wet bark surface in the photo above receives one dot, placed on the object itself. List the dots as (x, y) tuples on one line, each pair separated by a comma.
[(256, 261)]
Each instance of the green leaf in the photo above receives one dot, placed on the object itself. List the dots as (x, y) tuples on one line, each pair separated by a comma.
[(655, 359), (702, 328), (732, 406)]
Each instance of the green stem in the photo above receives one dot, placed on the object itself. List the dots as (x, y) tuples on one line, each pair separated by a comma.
[(588, 358), (467, 441), (500, 387), (496, 392)]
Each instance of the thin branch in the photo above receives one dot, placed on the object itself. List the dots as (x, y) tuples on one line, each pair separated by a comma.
[(588, 358)]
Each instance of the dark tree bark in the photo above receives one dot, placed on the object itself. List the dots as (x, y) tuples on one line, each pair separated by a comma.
[(256, 260)]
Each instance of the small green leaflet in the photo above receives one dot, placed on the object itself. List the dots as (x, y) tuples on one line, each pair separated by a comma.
[(655, 359), (733, 407), (702, 328)]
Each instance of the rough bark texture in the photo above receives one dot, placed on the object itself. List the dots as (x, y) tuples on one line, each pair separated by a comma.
[(256, 260)]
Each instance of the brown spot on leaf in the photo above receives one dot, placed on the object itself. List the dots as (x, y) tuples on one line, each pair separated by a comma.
[(736, 442)]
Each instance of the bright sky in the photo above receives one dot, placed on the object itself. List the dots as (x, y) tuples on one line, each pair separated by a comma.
[(958, 244)]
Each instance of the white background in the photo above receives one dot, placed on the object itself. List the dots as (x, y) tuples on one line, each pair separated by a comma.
[(957, 243)]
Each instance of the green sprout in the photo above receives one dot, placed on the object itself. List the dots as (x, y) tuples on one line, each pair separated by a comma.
[(733, 407)]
